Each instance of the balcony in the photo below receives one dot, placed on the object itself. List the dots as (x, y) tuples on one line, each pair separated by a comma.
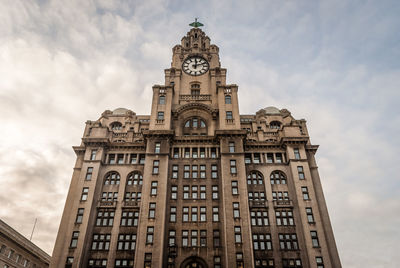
[(283, 203), (199, 97), (258, 203), (130, 203), (107, 204)]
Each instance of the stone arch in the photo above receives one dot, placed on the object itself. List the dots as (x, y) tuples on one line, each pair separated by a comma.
[(194, 262)]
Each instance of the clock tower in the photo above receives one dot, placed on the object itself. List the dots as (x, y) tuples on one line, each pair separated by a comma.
[(195, 184)]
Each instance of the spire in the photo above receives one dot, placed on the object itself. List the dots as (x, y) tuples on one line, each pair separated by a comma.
[(196, 24)]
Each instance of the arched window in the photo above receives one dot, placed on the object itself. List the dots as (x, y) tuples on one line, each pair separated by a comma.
[(116, 126), (161, 99), (228, 99), (195, 126), (255, 178), (112, 178), (134, 178), (275, 125), (278, 177)]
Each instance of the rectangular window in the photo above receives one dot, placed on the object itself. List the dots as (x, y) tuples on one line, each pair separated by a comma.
[(74, 241), (186, 171), (111, 159), (202, 192), (214, 171), (109, 196), (160, 116), (257, 158), (187, 152), (186, 192), (314, 239), (291, 263), (304, 190), (172, 238), (238, 234), (68, 262), (296, 152), (156, 165), (185, 238), (235, 190), (215, 214), (194, 214), (172, 214), (202, 171), (215, 192), (101, 242), (229, 115), (195, 172), (259, 218), (133, 158), (142, 159), (157, 147), (175, 170), (194, 238), (89, 173), (176, 153), (147, 260), (270, 158), (300, 170), (262, 242), (195, 153), (194, 192), (154, 185), (202, 152), (129, 218), (120, 159), (233, 167), (216, 239), (310, 216), (105, 217), (123, 263), (150, 235), (236, 210), (132, 196), (217, 262), (152, 210), (126, 242), (185, 214), (93, 154), (288, 242), (97, 263), (231, 147), (320, 262), (213, 152), (278, 157), (174, 192), (284, 217), (161, 99), (203, 238), (85, 192), (203, 214), (247, 158), (239, 260), (79, 215)]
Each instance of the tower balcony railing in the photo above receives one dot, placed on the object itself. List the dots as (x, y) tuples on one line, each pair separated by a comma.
[(283, 203), (199, 97)]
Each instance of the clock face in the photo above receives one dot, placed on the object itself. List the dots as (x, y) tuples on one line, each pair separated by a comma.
[(195, 65)]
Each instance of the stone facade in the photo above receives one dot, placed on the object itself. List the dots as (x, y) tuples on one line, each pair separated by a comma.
[(195, 184), (17, 251)]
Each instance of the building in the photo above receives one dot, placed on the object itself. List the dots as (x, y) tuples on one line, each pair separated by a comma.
[(17, 251), (195, 184)]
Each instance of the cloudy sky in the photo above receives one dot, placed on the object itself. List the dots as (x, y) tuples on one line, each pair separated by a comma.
[(334, 63)]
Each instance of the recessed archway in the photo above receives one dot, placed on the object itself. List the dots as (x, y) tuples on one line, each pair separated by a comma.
[(194, 262)]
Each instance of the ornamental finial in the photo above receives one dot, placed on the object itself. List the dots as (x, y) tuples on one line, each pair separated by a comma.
[(196, 24)]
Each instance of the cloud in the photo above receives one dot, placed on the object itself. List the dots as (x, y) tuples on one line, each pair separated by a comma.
[(333, 63)]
